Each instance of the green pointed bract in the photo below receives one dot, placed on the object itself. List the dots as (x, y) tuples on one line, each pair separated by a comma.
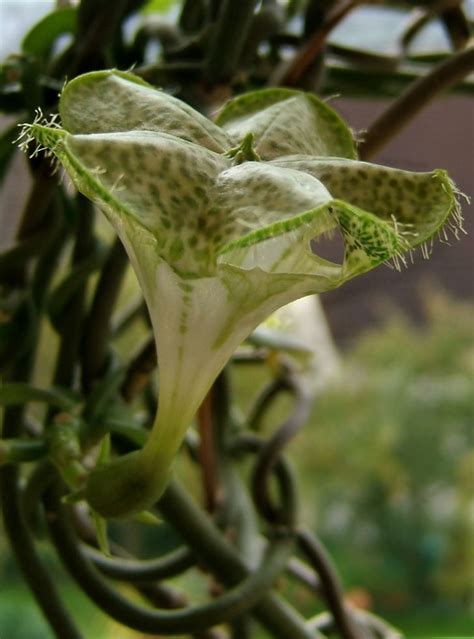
[(221, 224)]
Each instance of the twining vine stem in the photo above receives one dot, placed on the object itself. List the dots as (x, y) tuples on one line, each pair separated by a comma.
[(414, 99)]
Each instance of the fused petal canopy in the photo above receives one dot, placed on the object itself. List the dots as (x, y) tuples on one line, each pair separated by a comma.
[(221, 222)]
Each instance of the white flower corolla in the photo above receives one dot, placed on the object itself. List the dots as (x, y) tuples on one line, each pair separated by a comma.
[(218, 220)]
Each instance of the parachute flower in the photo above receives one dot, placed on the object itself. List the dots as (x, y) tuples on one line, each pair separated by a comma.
[(221, 222)]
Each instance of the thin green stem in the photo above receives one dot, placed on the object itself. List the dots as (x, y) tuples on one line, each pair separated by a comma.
[(98, 22), (304, 575), (235, 511), (36, 574), (139, 370), (207, 451), (15, 525), (330, 585), (39, 199), (264, 401), (98, 322), (125, 317), (71, 321), (134, 570), (286, 512), (18, 534), (272, 449), (230, 34), (50, 255), (13, 451), (34, 222), (373, 626), (21, 252), (233, 603), (210, 546)]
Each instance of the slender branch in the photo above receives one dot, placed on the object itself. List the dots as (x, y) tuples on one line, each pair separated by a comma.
[(21, 541), (414, 99), (330, 585), (451, 14), (193, 15), (142, 574), (304, 574), (207, 451), (233, 603), (130, 314), (370, 622), (14, 522), (36, 574), (39, 199), (419, 18), (272, 449), (457, 25), (235, 513), (210, 546), (263, 402), (32, 246), (139, 370), (71, 322), (259, 356), (160, 74), (15, 525), (97, 324), (13, 451), (98, 22), (313, 47), (162, 595), (134, 570), (286, 512), (17, 514), (34, 218), (230, 35), (47, 264)]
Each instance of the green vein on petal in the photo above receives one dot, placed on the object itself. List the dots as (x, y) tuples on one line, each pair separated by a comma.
[(287, 122), (111, 101)]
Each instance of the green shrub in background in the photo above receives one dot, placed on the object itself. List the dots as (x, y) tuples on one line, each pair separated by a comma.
[(386, 466), (388, 469)]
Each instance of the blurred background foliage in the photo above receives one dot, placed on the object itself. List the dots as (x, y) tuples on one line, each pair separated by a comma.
[(386, 467), (386, 470), (386, 463)]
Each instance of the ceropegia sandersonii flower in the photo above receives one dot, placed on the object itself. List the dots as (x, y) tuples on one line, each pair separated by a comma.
[(221, 221)]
